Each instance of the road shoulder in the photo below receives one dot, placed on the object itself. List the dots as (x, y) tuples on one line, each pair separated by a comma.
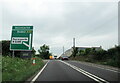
[(30, 79)]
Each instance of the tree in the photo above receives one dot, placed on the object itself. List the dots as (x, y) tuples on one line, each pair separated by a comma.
[(6, 47), (75, 51), (87, 51), (33, 51), (93, 51), (44, 51), (81, 52), (100, 54)]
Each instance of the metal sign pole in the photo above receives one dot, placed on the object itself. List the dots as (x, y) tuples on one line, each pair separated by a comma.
[(13, 54)]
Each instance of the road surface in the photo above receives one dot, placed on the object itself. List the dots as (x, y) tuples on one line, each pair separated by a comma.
[(74, 71)]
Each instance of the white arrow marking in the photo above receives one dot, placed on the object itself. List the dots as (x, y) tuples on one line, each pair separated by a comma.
[(26, 44), (29, 41)]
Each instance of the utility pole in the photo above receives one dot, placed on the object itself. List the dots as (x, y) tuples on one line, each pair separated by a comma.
[(73, 42), (73, 48)]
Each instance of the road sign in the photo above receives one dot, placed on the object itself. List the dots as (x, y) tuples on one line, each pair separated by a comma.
[(21, 38)]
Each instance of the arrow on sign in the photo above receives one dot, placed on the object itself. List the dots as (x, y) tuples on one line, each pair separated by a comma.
[(29, 42), (26, 44)]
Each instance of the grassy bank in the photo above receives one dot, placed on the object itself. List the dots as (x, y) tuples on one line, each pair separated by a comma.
[(16, 69), (109, 57), (109, 62)]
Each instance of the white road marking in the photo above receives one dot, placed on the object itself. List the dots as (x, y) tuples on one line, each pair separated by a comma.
[(33, 80), (96, 78), (29, 42)]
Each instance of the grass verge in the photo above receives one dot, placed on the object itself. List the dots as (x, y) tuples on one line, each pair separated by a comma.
[(108, 62), (17, 69)]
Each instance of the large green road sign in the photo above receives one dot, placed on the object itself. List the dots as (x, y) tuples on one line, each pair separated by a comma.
[(21, 38)]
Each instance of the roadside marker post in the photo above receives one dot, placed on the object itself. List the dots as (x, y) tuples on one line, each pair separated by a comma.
[(33, 62)]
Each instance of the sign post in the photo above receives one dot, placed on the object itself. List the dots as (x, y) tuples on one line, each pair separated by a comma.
[(13, 54), (21, 38)]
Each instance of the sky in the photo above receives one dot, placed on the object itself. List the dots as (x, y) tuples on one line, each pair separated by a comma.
[(57, 22)]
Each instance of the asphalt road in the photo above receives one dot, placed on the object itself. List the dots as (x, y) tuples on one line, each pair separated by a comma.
[(57, 70)]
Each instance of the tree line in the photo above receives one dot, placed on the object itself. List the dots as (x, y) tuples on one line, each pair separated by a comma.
[(5, 50), (108, 57)]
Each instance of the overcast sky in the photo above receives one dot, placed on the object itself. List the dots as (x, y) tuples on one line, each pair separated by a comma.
[(57, 22)]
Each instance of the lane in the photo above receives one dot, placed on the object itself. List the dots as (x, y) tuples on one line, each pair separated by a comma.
[(88, 74), (58, 71), (100, 72)]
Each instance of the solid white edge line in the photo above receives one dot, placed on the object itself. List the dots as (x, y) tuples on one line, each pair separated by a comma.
[(93, 75), (39, 73), (85, 73)]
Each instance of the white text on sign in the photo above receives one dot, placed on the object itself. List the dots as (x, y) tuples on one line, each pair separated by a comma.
[(18, 40)]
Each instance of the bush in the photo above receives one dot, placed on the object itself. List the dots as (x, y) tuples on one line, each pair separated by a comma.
[(112, 62), (110, 57)]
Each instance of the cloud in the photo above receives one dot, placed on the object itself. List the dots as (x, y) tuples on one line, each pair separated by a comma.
[(56, 23)]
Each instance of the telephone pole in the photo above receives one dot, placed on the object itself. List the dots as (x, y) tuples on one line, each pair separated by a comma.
[(74, 48), (73, 42)]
